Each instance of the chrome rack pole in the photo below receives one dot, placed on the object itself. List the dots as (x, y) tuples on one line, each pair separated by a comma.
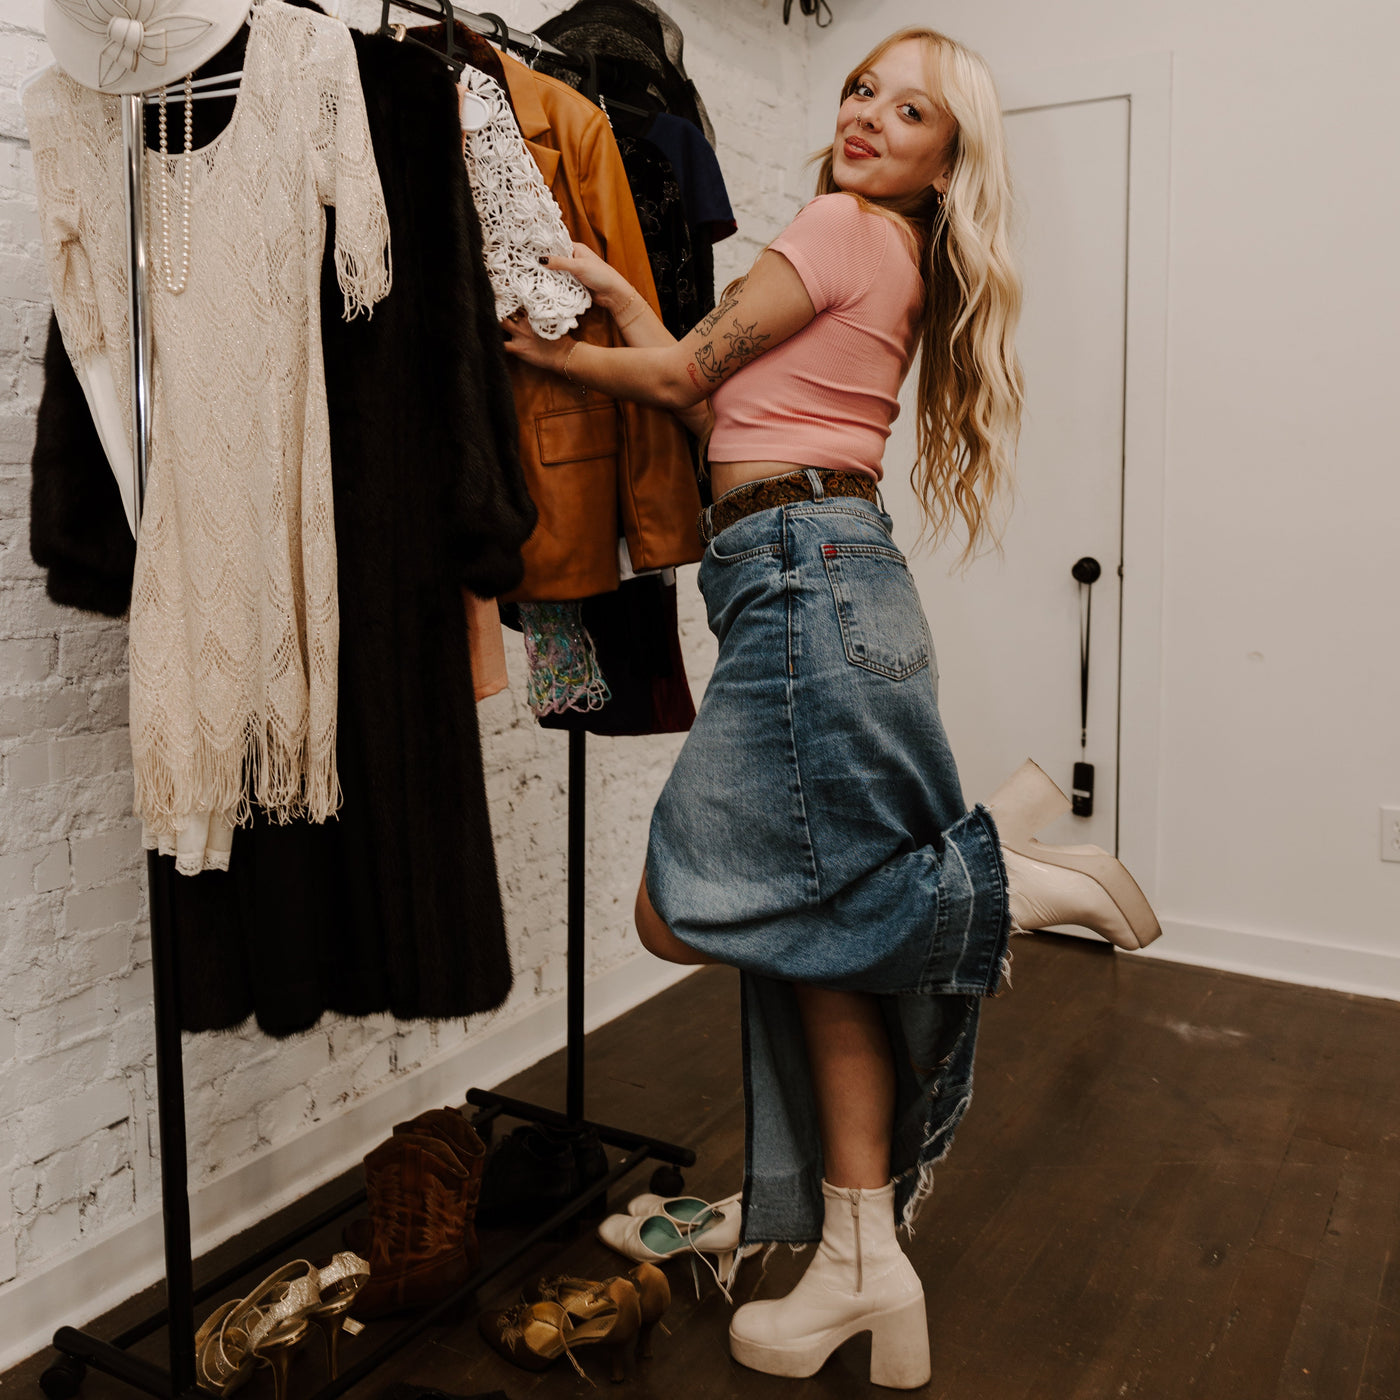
[(484, 25), (133, 170), (78, 1349), (170, 1070)]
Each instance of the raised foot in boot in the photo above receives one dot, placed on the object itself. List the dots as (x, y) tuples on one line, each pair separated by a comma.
[(1051, 885)]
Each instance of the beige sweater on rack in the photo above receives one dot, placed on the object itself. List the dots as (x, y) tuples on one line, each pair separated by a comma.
[(234, 627)]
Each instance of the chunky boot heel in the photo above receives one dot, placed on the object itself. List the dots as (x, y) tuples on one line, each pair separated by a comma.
[(899, 1351), (858, 1281)]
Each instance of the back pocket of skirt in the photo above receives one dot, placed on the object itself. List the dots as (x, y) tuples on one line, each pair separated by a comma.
[(882, 620)]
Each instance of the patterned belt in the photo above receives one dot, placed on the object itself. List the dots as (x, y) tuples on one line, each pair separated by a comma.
[(780, 491)]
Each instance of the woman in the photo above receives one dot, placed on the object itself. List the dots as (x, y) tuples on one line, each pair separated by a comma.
[(813, 832)]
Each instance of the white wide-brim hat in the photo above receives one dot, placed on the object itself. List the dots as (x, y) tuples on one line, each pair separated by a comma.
[(128, 46)]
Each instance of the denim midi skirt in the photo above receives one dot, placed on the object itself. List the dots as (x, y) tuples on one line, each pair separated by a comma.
[(814, 830)]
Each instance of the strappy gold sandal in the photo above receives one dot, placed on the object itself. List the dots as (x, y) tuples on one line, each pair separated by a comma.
[(339, 1281), (222, 1362), (585, 1298), (261, 1329), (535, 1335)]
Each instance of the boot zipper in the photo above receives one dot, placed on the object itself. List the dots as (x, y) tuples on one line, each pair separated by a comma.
[(855, 1220)]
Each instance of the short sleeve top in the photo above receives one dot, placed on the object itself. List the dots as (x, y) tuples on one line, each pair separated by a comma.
[(827, 396)]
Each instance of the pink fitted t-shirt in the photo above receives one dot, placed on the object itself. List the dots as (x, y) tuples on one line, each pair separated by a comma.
[(827, 396)]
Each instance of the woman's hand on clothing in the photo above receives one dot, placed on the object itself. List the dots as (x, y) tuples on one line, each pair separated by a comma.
[(767, 308), (526, 344), (610, 289), (636, 322)]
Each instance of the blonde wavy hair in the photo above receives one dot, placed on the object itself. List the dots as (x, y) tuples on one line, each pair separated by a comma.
[(970, 387)]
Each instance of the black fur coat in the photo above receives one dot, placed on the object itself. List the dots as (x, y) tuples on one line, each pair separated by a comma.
[(394, 906)]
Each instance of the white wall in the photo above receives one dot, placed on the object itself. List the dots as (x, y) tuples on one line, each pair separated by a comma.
[(1281, 653), (79, 1177)]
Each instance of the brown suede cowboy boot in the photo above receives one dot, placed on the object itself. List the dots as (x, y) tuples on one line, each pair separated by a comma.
[(450, 1126), (422, 1186)]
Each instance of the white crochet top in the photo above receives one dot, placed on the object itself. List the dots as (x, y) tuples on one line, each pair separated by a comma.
[(520, 219), (234, 626)]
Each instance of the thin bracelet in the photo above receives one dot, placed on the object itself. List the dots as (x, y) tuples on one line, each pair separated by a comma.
[(569, 357), (626, 306)]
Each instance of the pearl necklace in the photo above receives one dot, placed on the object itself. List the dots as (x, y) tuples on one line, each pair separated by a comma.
[(176, 284)]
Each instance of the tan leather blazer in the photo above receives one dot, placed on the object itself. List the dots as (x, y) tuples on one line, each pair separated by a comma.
[(596, 467)]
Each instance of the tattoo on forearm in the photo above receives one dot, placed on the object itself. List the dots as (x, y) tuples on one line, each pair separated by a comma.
[(745, 344), (723, 309), (710, 364), (694, 376)]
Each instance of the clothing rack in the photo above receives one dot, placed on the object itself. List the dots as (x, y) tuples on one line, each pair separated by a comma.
[(488, 25), (78, 1349), (495, 28)]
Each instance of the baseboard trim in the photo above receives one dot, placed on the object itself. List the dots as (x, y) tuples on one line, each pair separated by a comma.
[(1366, 972), (77, 1287)]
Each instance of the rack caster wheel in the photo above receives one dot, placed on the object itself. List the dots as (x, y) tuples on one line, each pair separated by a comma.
[(63, 1379), (667, 1180)]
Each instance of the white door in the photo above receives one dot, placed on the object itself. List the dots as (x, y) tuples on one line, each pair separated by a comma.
[(1007, 633)]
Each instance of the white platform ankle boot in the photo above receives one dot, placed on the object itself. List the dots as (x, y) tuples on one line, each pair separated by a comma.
[(859, 1281), (1051, 885)]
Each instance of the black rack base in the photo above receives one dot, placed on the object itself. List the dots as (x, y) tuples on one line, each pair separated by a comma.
[(79, 1350)]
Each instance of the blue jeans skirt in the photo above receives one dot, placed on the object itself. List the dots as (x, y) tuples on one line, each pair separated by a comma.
[(814, 830)]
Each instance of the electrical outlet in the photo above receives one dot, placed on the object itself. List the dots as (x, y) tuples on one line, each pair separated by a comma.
[(1390, 833)]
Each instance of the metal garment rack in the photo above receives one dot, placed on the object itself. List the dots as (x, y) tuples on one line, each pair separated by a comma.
[(490, 26), (78, 1349)]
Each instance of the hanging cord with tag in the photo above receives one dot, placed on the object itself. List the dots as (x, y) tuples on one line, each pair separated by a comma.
[(1085, 573)]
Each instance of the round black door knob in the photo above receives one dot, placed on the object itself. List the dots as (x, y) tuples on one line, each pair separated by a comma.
[(1086, 570)]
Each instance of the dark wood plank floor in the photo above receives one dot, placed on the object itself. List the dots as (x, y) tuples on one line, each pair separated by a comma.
[(1173, 1184)]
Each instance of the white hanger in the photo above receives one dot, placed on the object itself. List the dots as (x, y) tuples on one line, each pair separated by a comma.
[(175, 92), (472, 110), (178, 95), (34, 77)]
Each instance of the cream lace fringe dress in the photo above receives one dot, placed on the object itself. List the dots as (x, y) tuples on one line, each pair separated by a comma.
[(234, 627)]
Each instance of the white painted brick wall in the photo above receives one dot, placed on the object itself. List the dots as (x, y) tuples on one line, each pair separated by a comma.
[(77, 1113)]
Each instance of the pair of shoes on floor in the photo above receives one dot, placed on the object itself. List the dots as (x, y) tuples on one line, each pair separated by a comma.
[(267, 1326), (558, 1314), (422, 1187), (859, 1280), (1063, 884), (537, 1170), (657, 1228)]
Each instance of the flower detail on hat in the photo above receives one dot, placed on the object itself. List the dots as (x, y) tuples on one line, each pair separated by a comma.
[(135, 30)]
